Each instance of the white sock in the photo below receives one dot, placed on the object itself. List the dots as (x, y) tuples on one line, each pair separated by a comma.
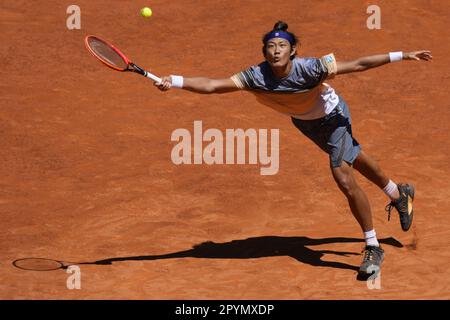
[(371, 238), (391, 190)]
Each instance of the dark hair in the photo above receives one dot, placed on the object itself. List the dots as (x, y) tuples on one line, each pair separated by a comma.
[(280, 26)]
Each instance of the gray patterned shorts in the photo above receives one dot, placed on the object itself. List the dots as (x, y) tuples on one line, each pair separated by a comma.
[(333, 134)]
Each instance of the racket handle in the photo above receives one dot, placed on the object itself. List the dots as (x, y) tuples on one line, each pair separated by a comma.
[(152, 76), (144, 73)]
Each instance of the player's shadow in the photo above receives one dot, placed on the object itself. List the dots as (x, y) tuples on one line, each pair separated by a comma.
[(263, 247)]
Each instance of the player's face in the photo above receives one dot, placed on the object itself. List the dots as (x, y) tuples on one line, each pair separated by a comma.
[(278, 52)]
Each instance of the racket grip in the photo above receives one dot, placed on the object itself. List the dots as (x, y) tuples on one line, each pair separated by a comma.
[(153, 77)]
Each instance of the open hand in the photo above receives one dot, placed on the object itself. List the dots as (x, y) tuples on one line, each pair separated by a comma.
[(418, 55)]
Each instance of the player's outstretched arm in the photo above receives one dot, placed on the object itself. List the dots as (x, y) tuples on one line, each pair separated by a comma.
[(365, 63), (199, 85)]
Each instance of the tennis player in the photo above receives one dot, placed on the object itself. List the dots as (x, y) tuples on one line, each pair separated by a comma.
[(295, 86)]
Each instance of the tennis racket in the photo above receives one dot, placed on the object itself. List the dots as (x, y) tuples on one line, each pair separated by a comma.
[(113, 58)]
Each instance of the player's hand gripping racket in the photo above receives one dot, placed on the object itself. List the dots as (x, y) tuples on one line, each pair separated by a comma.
[(113, 58)]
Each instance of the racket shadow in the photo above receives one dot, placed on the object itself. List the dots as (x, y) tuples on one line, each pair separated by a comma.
[(263, 247)]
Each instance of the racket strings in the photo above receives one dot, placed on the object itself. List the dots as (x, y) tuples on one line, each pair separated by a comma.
[(106, 53)]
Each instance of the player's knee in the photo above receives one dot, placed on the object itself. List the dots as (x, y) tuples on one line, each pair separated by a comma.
[(347, 184)]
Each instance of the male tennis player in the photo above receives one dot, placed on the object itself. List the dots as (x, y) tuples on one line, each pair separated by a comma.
[(295, 86)]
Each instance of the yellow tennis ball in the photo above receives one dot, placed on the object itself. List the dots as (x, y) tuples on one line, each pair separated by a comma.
[(146, 12)]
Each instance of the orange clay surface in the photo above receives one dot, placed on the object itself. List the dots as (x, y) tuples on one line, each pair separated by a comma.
[(86, 173)]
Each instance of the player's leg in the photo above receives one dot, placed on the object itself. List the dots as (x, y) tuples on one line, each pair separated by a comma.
[(333, 134), (401, 195), (357, 199), (343, 151), (360, 207), (370, 169)]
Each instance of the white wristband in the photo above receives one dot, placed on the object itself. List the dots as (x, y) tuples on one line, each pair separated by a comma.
[(396, 56), (177, 81)]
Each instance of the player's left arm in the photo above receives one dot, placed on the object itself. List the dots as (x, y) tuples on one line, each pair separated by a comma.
[(369, 62)]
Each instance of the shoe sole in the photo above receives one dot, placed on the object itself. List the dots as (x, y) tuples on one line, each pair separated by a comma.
[(411, 193)]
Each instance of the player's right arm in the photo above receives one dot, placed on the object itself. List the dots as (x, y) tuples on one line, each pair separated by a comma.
[(201, 85)]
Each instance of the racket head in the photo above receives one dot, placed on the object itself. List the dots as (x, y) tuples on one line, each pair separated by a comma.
[(39, 264), (106, 53)]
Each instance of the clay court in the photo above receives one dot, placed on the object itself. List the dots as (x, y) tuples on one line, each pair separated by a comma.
[(86, 172)]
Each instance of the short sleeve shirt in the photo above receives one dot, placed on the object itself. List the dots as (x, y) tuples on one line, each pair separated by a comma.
[(306, 73), (302, 94)]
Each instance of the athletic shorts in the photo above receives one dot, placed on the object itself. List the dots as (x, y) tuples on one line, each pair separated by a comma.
[(333, 134)]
